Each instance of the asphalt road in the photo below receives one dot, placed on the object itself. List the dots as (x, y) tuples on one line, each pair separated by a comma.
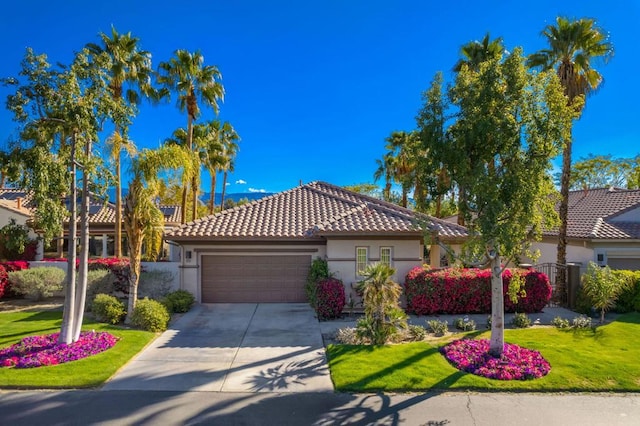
[(89, 407)]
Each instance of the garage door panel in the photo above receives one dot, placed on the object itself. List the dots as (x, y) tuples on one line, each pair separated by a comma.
[(254, 279)]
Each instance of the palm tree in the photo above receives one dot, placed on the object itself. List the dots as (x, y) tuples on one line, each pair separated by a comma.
[(194, 82), (385, 168), (476, 52), (405, 149), (573, 45), (211, 155), (228, 139), (130, 68), (141, 215)]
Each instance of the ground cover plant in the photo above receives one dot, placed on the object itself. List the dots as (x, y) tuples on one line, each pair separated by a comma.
[(87, 372), (599, 359)]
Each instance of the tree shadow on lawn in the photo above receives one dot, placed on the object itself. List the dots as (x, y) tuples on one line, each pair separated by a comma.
[(43, 316)]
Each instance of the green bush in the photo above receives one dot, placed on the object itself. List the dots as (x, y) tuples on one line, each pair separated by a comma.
[(521, 320), (437, 327), (179, 301), (150, 315), (37, 283), (99, 281), (629, 298), (416, 333), (107, 309), (155, 284), (318, 271), (464, 324), (559, 322)]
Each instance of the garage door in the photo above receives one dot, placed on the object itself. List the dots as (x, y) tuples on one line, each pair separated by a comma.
[(254, 279), (629, 263)]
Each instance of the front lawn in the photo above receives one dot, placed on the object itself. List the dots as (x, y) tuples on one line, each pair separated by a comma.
[(581, 360), (88, 372)]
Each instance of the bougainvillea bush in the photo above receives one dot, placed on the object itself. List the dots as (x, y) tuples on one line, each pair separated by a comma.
[(330, 298), (515, 363), (5, 267), (39, 351), (468, 291)]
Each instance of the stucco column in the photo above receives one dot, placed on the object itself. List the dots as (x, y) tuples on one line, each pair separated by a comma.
[(434, 256), (40, 250), (104, 245)]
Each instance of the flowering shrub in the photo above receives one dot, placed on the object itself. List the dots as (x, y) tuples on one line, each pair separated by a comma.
[(457, 291), (38, 351), (120, 268), (11, 266), (515, 363), (330, 298)]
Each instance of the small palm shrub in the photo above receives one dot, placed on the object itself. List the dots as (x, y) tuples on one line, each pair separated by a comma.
[(383, 317), (602, 287), (437, 327), (521, 320), (179, 301), (464, 324), (106, 308), (150, 315), (37, 283), (561, 323), (330, 298)]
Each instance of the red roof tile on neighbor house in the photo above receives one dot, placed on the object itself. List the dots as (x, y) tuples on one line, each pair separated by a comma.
[(594, 214), (311, 211)]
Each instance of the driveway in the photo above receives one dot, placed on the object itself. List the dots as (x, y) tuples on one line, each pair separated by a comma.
[(233, 348)]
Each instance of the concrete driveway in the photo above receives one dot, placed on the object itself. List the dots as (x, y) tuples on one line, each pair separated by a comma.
[(233, 348)]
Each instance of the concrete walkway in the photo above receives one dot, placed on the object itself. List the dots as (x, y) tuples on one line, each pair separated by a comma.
[(233, 348)]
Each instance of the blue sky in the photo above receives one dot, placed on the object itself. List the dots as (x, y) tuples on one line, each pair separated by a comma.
[(314, 87)]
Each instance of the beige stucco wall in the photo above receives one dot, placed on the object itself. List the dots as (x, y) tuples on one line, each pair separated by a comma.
[(341, 256), (190, 268)]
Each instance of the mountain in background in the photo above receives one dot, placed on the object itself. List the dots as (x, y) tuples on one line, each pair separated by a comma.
[(235, 196)]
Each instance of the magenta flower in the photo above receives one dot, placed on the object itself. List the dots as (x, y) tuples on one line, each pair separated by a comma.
[(38, 351), (515, 363)]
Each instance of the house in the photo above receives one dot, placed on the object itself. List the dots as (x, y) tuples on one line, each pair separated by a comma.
[(262, 251), (603, 226), (17, 203)]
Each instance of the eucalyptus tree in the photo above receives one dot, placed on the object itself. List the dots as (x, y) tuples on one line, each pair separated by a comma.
[(60, 112), (128, 77), (431, 122), (507, 151), (141, 214), (600, 171), (194, 83), (573, 46)]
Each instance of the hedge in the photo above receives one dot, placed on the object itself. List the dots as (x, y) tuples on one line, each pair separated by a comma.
[(330, 298), (468, 291)]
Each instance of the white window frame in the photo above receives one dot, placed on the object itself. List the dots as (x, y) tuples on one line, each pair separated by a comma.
[(389, 261), (361, 264)]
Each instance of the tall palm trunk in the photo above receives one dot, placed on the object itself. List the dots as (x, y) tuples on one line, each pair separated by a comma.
[(185, 189), (135, 238), (224, 189), (212, 200), (117, 243), (563, 212)]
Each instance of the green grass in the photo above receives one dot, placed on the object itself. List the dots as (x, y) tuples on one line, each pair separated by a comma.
[(602, 360), (84, 373)]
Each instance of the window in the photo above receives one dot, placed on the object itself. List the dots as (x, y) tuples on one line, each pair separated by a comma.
[(385, 255), (362, 259)]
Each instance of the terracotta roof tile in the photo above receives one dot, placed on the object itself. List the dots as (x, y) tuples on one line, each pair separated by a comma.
[(593, 214), (313, 210)]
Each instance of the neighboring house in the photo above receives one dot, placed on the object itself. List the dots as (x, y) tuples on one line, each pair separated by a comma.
[(262, 251), (102, 215), (603, 226)]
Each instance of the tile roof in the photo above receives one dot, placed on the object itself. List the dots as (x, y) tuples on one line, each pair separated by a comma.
[(313, 210), (594, 214), (100, 212)]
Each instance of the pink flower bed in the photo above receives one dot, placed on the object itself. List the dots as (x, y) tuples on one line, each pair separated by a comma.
[(38, 351), (515, 363)]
